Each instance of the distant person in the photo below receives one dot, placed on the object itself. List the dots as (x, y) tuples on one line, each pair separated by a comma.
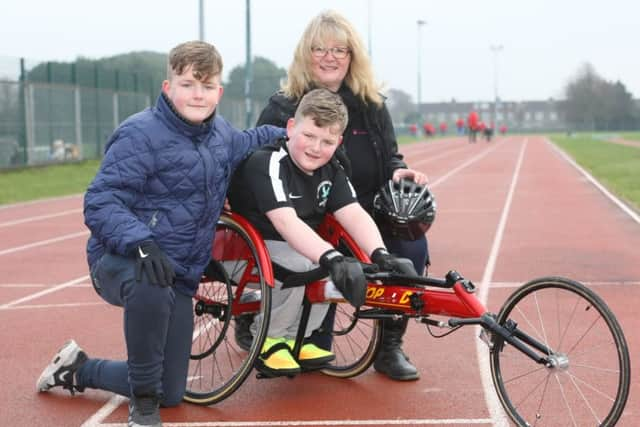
[(332, 55), (487, 131), (473, 120), (152, 210), (413, 129), (443, 128), (460, 126), (286, 209), (429, 130), (503, 130)]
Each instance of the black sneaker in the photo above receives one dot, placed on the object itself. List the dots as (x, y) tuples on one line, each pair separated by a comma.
[(243, 331), (61, 371), (244, 321), (144, 411)]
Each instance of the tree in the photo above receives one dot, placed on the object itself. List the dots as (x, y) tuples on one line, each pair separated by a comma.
[(595, 104), (266, 80), (400, 106)]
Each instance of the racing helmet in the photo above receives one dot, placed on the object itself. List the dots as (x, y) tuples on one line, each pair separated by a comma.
[(404, 209)]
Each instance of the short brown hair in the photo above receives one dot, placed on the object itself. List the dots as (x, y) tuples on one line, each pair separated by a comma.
[(325, 108), (204, 58)]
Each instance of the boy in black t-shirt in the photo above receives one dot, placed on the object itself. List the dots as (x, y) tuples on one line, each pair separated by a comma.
[(284, 190)]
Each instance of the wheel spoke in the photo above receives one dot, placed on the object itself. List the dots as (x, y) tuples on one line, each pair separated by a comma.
[(590, 381)]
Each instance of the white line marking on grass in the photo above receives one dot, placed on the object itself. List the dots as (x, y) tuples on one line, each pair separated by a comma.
[(599, 186), (44, 292), (39, 217), (396, 422), (43, 242), (493, 404)]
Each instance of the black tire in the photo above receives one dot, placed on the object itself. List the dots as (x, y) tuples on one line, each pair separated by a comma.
[(589, 383), (218, 364), (355, 340)]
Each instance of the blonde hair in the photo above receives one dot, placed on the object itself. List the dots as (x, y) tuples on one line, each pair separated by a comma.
[(204, 58), (331, 25), (325, 108)]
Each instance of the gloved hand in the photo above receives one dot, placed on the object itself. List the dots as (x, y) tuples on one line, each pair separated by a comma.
[(150, 258), (388, 262), (346, 273)]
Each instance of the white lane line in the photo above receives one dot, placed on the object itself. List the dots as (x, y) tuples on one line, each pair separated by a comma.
[(599, 186), (44, 292), (508, 285), (35, 202), (38, 285), (102, 413), (395, 422), (44, 242), (493, 403), (54, 306), (39, 217), (457, 169)]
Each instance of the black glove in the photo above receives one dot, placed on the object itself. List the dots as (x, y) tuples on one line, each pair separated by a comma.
[(388, 262), (149, 257), (346, 273)]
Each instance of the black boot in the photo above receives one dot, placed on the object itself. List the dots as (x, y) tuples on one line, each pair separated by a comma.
[(391, 360)]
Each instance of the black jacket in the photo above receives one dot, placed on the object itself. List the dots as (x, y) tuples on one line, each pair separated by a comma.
[(377, 121)]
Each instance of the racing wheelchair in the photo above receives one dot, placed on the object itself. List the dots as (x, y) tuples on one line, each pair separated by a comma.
[(557, 352)]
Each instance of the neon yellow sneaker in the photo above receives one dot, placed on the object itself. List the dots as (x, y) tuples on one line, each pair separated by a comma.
[(311, 355), (276, 358)]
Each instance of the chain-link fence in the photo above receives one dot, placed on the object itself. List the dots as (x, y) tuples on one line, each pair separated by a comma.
[(54, 112)]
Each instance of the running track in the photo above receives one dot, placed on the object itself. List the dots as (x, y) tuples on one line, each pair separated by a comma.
[(508, 211)]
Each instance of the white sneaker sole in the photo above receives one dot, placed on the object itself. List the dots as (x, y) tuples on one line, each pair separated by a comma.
[(65, 356)]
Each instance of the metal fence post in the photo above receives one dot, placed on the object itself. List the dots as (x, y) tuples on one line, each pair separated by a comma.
[(23, 112)]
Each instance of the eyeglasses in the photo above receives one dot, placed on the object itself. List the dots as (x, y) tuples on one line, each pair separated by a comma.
[(337, 52)]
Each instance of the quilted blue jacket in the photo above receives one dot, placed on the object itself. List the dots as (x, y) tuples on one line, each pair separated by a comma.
[(165, 179)]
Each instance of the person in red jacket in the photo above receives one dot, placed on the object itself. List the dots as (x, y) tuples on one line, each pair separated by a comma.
[(460, 126), (429, 130), (472, 125), (443, 128), (503, 129), (413, 129)]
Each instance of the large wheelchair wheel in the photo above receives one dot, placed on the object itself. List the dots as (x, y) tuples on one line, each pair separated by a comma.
[(219, 363), (587, 381), (356, 342)]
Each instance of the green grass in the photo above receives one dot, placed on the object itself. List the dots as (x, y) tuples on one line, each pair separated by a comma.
[(408, 139), (630, 136), (46, 181), (617, 167)]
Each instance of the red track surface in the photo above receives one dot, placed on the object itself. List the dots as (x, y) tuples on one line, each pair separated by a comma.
[(558, 223)]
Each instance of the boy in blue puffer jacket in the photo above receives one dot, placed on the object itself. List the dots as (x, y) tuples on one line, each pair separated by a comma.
[(152, 210)]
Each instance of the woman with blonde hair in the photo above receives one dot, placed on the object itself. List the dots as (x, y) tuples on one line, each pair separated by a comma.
[(331, 54)]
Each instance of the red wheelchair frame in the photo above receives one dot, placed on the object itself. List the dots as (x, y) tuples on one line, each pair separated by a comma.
[(563, 382)]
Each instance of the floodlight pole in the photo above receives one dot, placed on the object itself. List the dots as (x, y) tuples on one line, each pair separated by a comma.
[(248, 67), (369, 29), (495, 49), (420, 23), (201, 19)]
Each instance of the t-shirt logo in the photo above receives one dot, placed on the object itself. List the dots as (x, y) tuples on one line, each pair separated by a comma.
[(323, 193)]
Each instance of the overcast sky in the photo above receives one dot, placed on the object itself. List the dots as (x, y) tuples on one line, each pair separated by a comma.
[(544, 42)]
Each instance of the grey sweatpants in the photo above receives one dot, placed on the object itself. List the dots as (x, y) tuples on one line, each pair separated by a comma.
[(286, 304)]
